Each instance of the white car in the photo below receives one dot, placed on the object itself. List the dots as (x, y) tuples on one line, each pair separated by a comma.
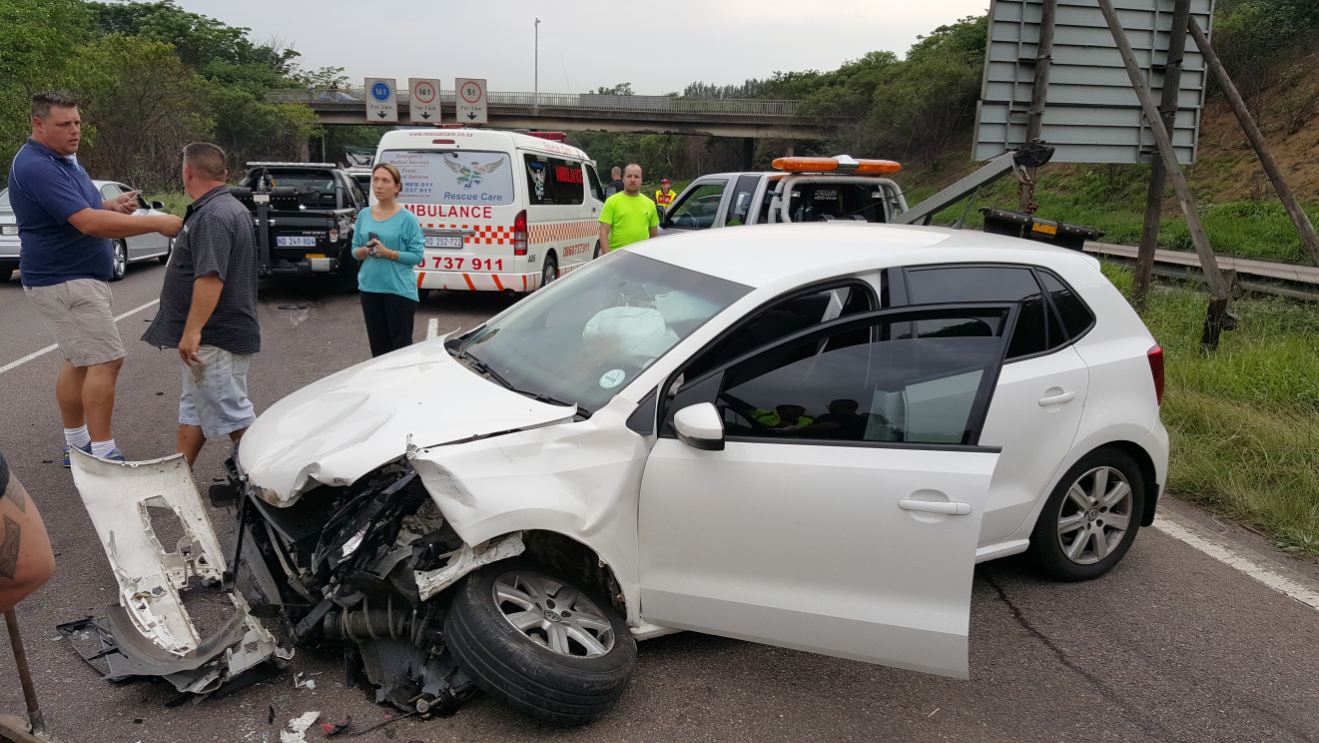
[(126, 250), (802, 435)]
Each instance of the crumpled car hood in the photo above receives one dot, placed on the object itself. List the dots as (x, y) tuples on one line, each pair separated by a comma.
[(336, 430)]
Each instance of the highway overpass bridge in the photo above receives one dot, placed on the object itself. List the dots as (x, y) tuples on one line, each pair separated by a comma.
[(748, 119)]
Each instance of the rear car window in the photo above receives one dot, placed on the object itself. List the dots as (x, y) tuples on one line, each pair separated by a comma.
[(307, 181), (1076, 317), (551, 180), (1034, 332), (453, 176), (823, 202)]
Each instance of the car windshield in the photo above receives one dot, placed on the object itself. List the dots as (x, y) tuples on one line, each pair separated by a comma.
[(581, 340), (4, 198), (453, 176)]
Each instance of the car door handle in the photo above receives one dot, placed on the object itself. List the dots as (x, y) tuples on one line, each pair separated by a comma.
[(1057, 399), (951, 508)]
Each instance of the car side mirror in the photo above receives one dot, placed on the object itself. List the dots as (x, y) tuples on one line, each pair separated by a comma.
[(700, 427), (158, 205)]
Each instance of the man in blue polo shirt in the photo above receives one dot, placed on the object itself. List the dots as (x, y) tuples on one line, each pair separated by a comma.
[(65, 260)]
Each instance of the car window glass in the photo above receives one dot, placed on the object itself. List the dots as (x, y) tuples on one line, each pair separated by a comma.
[(697, 210), (553, 181), (1076, 317), (783, 318), (453, 176), (829, 202), (359, 198), (585, 338), (739, 208), (989, 284), (894, 381), (597, 191), (110, 191)]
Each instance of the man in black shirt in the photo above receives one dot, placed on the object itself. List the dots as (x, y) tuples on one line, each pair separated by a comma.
[(208, 305)]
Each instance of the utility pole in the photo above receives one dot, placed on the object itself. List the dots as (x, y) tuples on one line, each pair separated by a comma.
[(1219, 292), (1172, 80), (536, 74), (1038, 98)]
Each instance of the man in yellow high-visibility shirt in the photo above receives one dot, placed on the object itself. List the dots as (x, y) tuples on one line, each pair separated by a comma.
[(628, 216)]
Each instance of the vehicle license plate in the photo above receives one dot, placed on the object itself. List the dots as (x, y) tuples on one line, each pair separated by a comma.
[(9, 229), (295, 241), (445, 241)]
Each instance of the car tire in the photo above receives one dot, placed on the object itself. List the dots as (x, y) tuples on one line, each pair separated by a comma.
[(518, 666), (5, 275), (169, 250), (550, 272), (1090, 519), (119, 260)]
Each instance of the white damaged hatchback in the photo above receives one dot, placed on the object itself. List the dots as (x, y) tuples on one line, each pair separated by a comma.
[(801, 435)]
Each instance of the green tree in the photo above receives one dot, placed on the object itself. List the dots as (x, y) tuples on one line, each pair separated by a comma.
[(215, 50), (37, 38), (141, 104)]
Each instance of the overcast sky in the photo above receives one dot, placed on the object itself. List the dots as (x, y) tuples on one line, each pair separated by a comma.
[(586, 43)]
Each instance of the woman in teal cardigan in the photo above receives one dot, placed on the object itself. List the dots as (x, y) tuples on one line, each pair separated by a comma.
[(389, 242)]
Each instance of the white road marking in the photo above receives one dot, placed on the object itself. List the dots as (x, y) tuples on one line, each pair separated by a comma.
[(1279, 583), (52, 347), (432, 328)]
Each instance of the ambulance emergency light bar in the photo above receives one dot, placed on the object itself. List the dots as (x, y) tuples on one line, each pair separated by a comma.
[(839, 164)]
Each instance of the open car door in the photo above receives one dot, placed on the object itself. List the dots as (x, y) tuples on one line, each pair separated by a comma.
[(825, 492)]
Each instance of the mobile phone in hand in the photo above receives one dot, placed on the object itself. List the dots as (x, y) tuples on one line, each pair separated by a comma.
[(371, 241)]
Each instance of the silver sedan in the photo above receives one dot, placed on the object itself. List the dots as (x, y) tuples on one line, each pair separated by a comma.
[(126, 250)]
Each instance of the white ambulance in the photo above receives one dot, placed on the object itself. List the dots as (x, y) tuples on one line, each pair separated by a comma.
[(501, 211)]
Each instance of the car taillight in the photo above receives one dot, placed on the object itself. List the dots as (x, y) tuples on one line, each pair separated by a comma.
[(520, 233), (1155, 355)]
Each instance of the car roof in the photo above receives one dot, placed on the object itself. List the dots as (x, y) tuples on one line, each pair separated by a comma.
[(477, 139), (783, 255)]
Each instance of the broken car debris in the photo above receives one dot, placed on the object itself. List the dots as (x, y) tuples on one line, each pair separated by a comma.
[(357, 569)]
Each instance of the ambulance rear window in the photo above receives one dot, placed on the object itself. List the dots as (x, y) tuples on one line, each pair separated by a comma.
[(453, 176)]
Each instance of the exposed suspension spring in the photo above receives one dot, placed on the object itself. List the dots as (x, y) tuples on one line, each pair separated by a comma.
[(364, 623)]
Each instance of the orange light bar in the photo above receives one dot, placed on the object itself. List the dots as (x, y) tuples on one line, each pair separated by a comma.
[(805, 164), (841, 164), (877, 166)]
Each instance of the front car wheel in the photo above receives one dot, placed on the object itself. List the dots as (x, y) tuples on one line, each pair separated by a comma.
[(1091, 517), (540, 644)]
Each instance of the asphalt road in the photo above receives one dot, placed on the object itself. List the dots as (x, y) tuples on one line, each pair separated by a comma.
[(1171, 646)]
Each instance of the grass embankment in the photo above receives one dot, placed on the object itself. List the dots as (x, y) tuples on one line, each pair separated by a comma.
[(1113, 200), (1244, 421), (176, 202)]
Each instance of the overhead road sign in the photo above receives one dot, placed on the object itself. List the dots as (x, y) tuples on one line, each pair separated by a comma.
[(471, 98), (1092, 114), (424, 100), (381, 99)]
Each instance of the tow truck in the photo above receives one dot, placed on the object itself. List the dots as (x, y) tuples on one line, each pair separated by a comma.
[(303, 214), (843, 188)]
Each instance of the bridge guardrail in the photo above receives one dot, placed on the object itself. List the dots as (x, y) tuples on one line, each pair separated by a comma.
[(582, 101)]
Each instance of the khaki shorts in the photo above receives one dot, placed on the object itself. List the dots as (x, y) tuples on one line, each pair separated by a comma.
[(77, 315), (215, 393)]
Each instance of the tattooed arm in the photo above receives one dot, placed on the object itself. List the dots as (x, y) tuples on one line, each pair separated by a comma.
[(26, 560)]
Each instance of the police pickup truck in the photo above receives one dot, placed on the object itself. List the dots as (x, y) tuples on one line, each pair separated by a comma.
[(303, 214)]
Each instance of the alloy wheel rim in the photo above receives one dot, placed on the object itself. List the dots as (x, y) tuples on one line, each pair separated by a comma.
[(120, 260), (1095, 515), (553, 614), (549, 274)]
